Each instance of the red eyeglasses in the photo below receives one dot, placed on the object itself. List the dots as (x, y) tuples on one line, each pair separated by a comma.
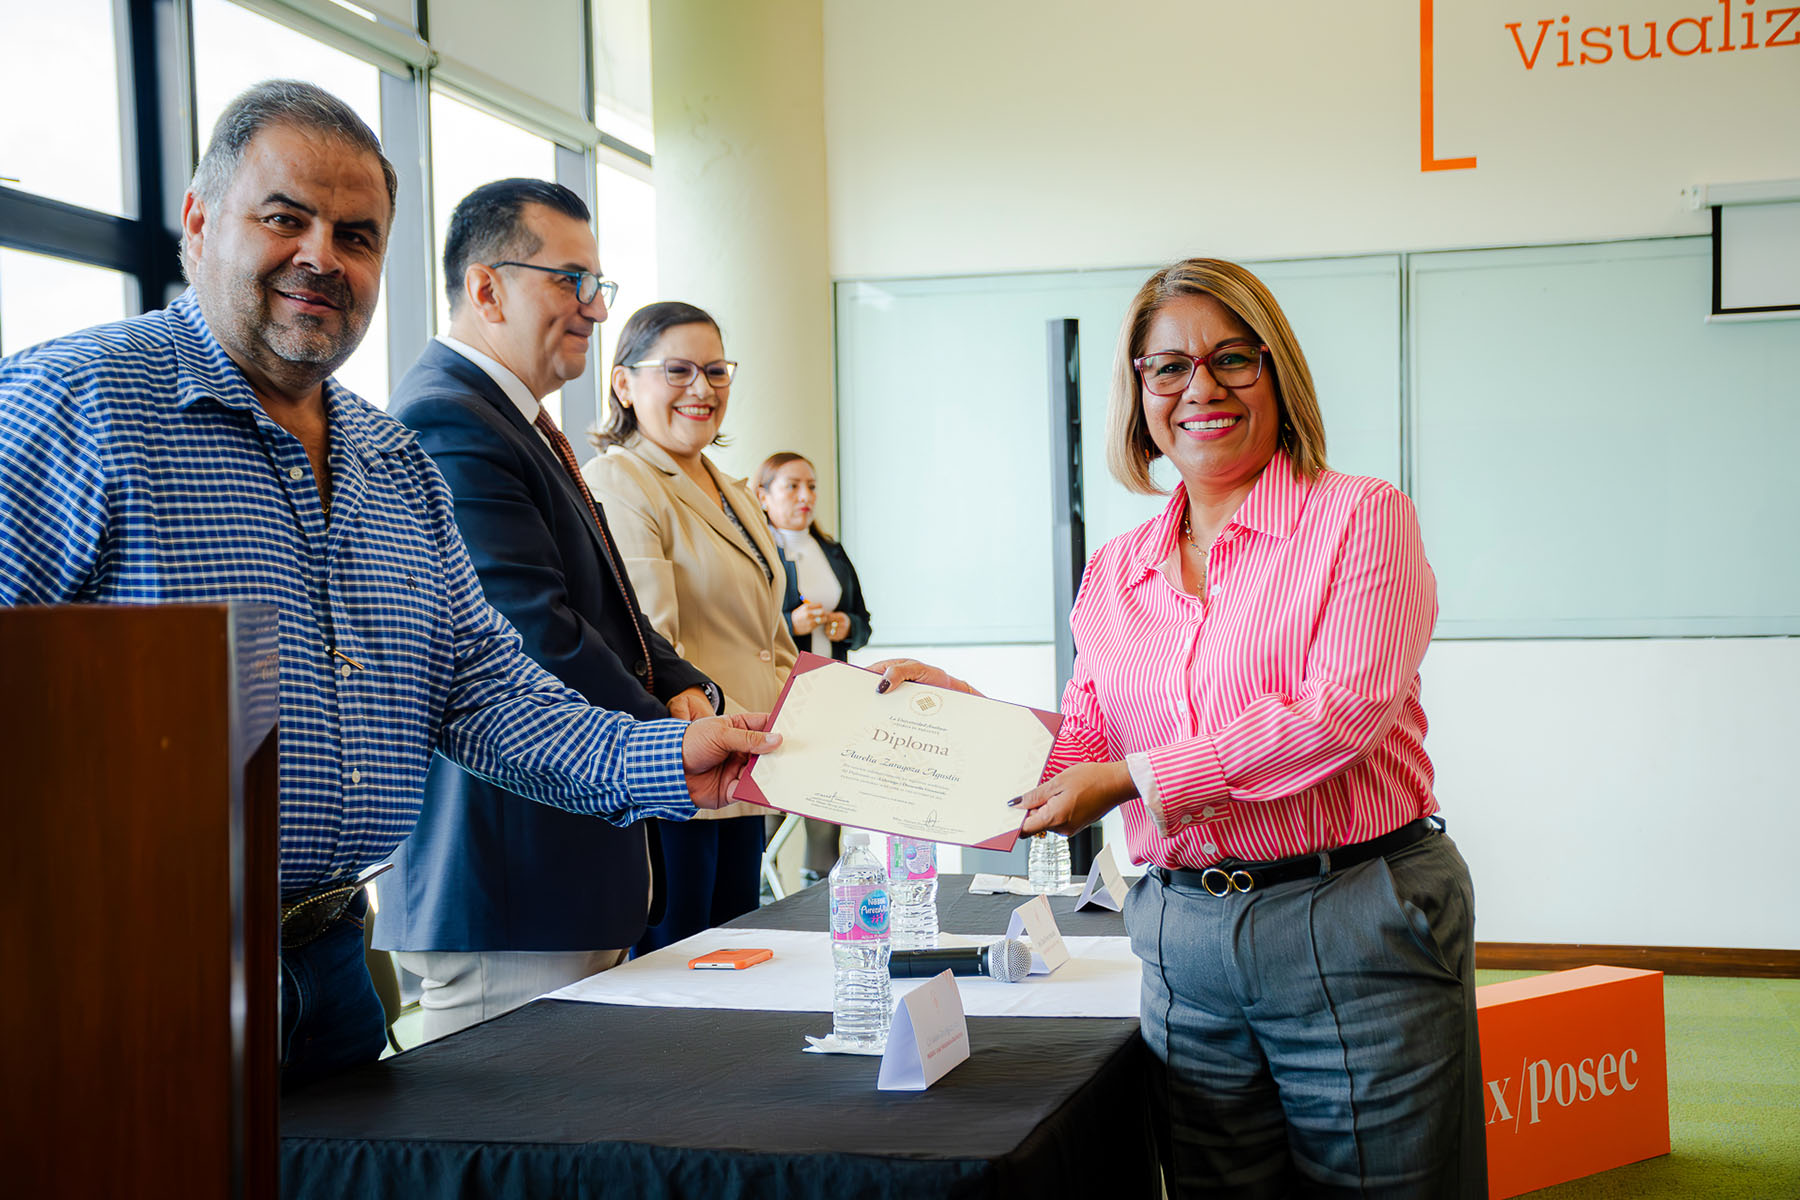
[(1233, 365)]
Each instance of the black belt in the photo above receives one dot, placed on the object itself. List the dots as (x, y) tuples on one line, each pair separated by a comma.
[(1231, 876), (305, 918)]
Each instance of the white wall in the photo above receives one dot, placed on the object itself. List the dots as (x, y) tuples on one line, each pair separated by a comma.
[(1618, 791), (1637, 792), (1036, 134), (741, 218)]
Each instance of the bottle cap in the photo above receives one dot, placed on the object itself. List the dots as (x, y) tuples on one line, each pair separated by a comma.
[(856, 837)]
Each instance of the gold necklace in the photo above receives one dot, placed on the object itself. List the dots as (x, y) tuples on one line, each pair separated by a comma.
[(1187, 532)]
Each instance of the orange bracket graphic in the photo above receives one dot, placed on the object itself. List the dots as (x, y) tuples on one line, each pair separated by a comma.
[(1428, 159)]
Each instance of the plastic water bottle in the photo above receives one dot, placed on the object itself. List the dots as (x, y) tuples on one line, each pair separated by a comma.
[(1047, 863), (912, 885), (862, 1002)]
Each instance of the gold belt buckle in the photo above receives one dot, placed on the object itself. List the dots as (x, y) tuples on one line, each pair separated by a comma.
[(1221, 883), (305, 921)]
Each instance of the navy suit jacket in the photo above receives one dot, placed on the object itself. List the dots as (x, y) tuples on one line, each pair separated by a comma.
[(486, 869)]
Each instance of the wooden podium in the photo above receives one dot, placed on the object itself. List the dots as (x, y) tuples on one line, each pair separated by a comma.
[(139, 916)]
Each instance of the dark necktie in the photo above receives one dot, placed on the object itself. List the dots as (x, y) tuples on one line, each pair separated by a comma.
[(566, 455)]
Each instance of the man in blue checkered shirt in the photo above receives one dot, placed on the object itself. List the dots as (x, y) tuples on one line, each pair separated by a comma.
[(203, 454)]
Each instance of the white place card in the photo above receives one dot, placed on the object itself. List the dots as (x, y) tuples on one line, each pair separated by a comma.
[(929, 1036), (1105, 886), (995, 885), (1035, 922)]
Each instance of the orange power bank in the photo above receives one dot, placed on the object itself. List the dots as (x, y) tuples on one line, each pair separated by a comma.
[(730, 960)]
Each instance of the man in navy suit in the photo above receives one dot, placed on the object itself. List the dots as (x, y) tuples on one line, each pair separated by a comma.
[(494, 899)]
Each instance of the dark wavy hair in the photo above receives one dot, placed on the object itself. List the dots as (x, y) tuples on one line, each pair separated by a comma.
[(640, 333), (765, 475)]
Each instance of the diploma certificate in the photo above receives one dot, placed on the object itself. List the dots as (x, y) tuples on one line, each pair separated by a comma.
[(919, 761)]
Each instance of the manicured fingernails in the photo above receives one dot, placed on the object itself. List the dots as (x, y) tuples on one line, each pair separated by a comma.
[(1015, 802), (882, 686)]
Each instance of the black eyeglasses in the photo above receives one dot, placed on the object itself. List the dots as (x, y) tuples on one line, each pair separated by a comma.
[(1233, 365), (680, 372), (587, 284)]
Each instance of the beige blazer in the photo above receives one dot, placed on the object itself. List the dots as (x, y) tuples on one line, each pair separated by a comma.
[(696, 580)]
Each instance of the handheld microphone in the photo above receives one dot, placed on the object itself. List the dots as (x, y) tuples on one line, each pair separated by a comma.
[(1008, 960)]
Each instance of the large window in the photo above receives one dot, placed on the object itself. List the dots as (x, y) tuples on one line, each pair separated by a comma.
[(622, 71), (625, 208), (43, 297), (43, 47), (469, 148), (235, 48), (76, 250), (61, 134)]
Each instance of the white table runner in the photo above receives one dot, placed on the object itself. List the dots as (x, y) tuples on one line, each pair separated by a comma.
[(1101, 980)]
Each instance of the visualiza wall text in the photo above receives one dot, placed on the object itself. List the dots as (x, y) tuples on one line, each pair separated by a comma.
[(1738, 25)]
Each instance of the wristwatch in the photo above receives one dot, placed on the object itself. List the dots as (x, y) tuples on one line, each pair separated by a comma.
[(714, 697)]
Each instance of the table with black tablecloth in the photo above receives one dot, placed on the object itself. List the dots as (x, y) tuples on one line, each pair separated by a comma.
[(959, 911), (599, 1100)]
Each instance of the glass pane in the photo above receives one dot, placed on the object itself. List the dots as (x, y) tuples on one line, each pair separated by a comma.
[(622, 70), (366, 373), (470, 148), (234, 48), (73, 156), (627, 217), (42, 298)]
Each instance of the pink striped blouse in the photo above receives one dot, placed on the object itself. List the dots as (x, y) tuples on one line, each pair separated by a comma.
[(1280, 715)]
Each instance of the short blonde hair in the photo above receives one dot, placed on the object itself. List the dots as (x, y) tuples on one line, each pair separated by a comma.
[(1129, 448)]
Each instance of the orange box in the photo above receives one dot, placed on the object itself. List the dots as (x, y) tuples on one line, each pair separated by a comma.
[(1577, 1074)]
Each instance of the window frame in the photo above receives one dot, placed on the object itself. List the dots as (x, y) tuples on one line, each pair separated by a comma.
[(160, 145)]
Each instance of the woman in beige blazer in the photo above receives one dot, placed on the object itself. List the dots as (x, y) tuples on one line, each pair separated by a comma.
[(706, 572)]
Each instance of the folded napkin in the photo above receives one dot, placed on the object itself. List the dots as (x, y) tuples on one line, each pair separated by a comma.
[(829, 1044), (992, 885)]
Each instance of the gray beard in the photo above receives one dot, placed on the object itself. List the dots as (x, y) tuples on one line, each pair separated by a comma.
[(306, 339), (241, 319)]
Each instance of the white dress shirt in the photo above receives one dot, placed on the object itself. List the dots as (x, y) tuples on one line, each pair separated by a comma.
[(511, 384)]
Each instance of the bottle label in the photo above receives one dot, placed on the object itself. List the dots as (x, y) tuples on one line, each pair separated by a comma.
[(859, 913), (909, 859)]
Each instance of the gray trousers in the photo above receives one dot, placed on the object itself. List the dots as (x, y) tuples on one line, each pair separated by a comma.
[(460, 988), (1317, 1038)]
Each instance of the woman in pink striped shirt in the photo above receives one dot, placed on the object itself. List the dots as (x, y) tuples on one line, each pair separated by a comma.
[(1247, 687)]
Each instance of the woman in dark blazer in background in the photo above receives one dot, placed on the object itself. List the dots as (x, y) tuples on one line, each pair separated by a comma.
[(824, 602), (825, 613)]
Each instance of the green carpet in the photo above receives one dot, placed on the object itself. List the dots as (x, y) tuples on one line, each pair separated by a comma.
[(1734, 1097)]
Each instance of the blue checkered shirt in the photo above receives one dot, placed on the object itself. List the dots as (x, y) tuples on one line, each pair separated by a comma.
[(137, 467)]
